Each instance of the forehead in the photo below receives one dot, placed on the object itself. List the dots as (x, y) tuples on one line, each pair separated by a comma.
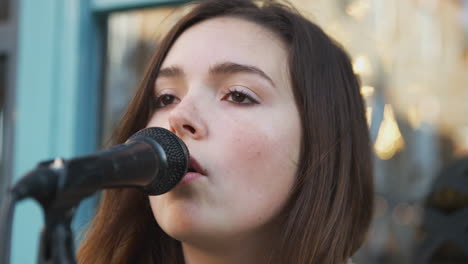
[(229, 39)]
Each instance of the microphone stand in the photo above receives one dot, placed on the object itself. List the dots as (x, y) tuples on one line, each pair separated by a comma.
[(56, 244)]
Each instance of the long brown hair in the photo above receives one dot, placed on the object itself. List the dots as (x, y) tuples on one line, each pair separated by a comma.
[(326, 218)]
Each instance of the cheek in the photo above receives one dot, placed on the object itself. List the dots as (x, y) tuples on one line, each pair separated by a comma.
[(260, 165), (263, 143)]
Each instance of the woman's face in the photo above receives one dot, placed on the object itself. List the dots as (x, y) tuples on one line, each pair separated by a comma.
[(224, 89)]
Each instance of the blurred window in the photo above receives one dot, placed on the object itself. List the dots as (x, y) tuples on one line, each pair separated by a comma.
[(131, 40), (412, 59)]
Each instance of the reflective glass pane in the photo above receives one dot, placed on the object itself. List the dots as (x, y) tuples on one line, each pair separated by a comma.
[(132, 38), (412, 59)]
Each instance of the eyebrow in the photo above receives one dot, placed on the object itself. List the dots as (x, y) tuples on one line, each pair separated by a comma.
[(217, 69), (173, 71)]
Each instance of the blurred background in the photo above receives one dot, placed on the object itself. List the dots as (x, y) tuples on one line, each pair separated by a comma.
[(68, 68)]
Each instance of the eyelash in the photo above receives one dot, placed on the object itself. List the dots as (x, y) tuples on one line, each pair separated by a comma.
[(233, 90)]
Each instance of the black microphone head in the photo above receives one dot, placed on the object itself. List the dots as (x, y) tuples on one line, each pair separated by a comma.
[(174, 159)]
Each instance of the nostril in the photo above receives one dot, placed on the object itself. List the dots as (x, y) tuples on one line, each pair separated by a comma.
[(189, 128)]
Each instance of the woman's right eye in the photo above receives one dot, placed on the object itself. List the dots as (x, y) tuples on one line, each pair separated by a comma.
[(164, 100)]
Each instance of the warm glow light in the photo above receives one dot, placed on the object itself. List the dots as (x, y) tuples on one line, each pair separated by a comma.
[(389, 139), (367, 91), (358, 9), (414, 117), (361, 65), (369, 115)]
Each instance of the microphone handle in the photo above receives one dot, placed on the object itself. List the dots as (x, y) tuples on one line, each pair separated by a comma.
[(134, 164), (64, 183)]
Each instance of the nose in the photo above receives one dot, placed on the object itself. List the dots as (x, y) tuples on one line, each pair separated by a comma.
[(185, 120)]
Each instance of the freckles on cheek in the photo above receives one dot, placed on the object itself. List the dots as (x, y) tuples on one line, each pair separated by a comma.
[(251, 156), (247, 146), (257, 152)]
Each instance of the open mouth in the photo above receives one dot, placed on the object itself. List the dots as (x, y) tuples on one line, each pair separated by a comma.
[(194, 166), (194, 171)]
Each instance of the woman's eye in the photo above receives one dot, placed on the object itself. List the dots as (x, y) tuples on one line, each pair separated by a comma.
[(164, 100), (239, 97)]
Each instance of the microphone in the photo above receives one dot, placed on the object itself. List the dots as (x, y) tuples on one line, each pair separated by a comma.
[(153, 160)]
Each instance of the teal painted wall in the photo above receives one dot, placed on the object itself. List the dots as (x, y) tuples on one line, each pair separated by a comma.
[(56, 99)]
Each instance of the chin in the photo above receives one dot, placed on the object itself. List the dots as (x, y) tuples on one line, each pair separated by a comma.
[(182, 218), (186, 233), (178, 223), (192, 231)]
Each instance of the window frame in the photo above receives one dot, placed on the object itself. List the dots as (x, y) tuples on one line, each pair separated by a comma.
[(8, 30)]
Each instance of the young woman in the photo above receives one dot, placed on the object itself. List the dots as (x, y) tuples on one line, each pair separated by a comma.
[(271, 112)]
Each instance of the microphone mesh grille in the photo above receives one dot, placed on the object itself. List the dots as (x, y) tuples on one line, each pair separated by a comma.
[(177, 158)]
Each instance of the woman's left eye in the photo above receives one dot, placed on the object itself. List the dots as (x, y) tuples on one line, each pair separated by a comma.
[(164, 101), (240, 97)]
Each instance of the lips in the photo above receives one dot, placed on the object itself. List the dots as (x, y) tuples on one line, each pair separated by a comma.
[(194, 166)]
